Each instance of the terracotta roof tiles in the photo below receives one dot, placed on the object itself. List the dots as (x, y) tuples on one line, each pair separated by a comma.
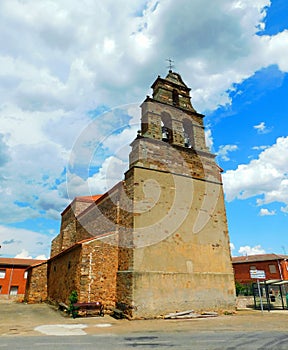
[(19, 262), (258, 257)]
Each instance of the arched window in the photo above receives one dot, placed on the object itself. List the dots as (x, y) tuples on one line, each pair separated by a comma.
[(166, 125), (188, 133)]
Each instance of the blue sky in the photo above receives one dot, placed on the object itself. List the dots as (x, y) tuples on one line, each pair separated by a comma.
[(73, 75)]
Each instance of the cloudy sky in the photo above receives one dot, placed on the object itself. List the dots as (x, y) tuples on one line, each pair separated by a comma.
[(73, 73)]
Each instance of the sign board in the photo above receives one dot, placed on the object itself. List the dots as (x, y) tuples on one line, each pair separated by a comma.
[(258, 274)]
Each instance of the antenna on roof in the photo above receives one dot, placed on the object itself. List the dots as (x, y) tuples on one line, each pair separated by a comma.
[(171, 65)]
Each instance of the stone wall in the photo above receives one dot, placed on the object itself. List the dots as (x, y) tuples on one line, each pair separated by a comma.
[(89, 268), (64, 275), (244, 302), (36, 286), (157, 293), (69, 234), (160, 156), (56, 245), (101, 218), (151, 123), (99, 265), (181, 256)]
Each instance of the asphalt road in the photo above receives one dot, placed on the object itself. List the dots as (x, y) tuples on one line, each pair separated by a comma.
[(41, 326), (151, 340)]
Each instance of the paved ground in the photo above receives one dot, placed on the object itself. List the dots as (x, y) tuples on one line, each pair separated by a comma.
[(24, 319)]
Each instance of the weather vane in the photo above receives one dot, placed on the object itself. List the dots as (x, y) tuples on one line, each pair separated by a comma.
[(171, 65)]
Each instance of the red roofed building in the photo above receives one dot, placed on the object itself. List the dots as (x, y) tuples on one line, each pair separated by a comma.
[(275, 267), (13, 275)]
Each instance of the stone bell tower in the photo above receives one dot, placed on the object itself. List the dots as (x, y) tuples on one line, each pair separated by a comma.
[(178, 256)]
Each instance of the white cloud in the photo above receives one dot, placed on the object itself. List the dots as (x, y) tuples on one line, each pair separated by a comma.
[(232, 247), (24, 254), (23, 243), (267, 212), (109, 174), (284, 209), (209, 138), (224, 150), (265, 176), (262, 128), (63, 59), (247, 250), (259, 148)]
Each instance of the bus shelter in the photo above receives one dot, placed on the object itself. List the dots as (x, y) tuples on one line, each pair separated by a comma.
[(274, 294)]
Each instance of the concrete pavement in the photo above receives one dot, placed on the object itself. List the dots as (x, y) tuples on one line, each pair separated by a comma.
[(36, 319)]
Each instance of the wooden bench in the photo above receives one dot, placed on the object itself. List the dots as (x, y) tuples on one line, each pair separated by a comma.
[(90, 308)]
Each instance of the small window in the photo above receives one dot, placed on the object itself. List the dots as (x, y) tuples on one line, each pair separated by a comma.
[(175, 97), (253, 267), (0, 289), (272, 268), (2, 273), (14, 290), (25, 274)]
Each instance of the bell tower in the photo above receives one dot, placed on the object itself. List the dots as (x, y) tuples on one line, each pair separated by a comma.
[(178, 257)]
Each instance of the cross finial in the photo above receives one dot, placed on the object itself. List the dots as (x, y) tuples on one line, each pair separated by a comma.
[(171, 65)]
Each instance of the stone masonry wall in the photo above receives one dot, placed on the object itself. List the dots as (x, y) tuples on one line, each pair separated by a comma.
[(125, 254), (157, 155), (56, 245), (101, 218), (36, 286), (89, 268), (99, 265), (69, 235), (64, 275), (151, 123)]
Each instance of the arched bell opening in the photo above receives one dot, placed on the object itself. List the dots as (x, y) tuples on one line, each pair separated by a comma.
[(166, 127), (188, 133)]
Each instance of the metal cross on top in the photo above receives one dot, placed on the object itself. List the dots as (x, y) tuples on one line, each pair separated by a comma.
[(171, 65)]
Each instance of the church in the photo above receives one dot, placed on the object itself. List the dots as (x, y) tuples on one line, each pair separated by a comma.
[(157, 242)]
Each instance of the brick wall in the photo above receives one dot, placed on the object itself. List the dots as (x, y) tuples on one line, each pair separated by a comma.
[(242, 270)]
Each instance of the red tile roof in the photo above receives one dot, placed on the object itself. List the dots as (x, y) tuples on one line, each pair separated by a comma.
[(258, 257), (19, 262), (88, 198)]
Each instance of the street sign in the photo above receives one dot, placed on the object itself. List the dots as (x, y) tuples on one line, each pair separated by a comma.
[(258, 274)]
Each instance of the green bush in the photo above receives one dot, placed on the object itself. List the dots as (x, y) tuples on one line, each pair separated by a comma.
[(243, 289), (73, 298)]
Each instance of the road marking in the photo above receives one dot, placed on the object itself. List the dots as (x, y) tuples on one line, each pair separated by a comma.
[(103, 325), (62, 329)]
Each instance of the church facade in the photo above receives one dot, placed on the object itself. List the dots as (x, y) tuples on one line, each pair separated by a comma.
[(157, 242)]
